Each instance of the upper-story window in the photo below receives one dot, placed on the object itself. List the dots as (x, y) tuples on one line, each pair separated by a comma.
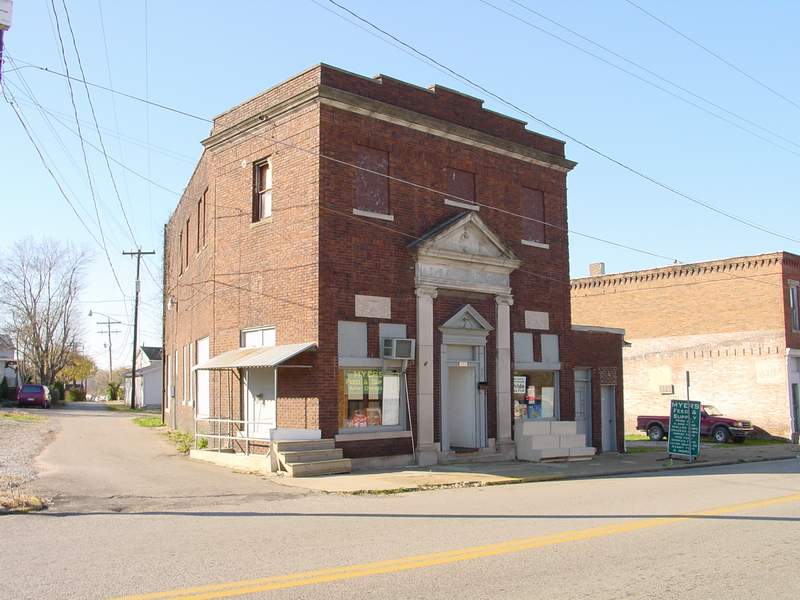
[(201, 222), (262, 200), (186, 245), (532, 210), (180, 253), (372, 187), (794, 305), (461, 189)]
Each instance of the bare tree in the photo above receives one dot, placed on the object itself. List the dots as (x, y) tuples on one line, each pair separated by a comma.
[(39, 286)]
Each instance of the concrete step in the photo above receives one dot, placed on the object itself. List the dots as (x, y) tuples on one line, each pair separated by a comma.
[(469, 458), (320, 467), (302, 445), (303, 456)]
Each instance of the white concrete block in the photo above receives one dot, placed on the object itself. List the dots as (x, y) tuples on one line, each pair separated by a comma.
[(536, 427), (572, 440), (583, 451), (563, 427), (544, 441)]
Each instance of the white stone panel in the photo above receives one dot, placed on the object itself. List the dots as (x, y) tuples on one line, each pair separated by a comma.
[(374, 307), (537, 320), (549, 348)]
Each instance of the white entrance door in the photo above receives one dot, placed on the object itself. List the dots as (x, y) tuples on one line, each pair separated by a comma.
[(583, 403), (203, 400), (608, 415), (260, 394), (462, 407)]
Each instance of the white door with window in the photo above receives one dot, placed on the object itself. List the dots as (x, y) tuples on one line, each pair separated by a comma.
[(462, 407), (608, 417), (260, 385), (261, 414), (203, 399), (583, 403)]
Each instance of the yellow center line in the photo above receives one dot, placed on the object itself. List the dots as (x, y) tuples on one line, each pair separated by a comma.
[(420, 561)]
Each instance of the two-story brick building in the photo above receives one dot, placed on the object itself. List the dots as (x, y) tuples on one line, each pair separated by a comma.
[(334, 213), (732, 324)]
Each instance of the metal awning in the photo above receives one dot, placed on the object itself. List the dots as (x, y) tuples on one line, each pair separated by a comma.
[(250, 358)]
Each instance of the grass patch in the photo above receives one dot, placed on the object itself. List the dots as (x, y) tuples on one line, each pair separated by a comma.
[(183, 441), (21, 416), (752, 442), (641, 449), (153, 421), (636, 437)]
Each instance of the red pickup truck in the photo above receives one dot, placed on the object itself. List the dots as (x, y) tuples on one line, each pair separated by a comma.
[(712, 422)]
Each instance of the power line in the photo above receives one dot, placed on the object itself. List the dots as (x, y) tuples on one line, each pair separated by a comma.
[(83, 148), (563, 133), (714, 54), (13, 106), (110, 157), (638, 66), (97, 125)]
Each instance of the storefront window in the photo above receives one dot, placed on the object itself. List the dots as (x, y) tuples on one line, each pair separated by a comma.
[(535, 395), (369, 398)]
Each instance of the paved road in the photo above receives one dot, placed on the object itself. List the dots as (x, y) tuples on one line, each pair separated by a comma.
[(724, 532)]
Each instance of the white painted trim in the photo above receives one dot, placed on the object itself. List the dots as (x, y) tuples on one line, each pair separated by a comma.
[(373, 215), (466, 205), (371, 435), (534, 244), (595, 329)]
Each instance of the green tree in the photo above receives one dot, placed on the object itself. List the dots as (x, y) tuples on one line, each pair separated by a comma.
[(79, 368)]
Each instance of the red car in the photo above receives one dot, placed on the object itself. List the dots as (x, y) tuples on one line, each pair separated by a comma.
[(712, 423), (32, 394)]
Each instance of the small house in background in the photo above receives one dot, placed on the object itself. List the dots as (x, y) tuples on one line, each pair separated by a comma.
[(148, 378), (8, 363), (732, 324)]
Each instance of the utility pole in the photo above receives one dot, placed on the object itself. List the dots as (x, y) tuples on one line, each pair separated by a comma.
[(138, 254), (108, 323)]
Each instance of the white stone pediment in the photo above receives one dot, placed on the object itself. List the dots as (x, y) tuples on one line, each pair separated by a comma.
[(468, 319), (467, 238)]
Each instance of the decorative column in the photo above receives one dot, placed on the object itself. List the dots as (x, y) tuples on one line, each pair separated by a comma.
[(503, 441), (427, 450)]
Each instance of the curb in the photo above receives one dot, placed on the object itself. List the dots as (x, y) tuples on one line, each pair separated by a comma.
[(561, 476)]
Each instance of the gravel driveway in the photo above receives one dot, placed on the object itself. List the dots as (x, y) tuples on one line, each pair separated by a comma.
[(23, 434)]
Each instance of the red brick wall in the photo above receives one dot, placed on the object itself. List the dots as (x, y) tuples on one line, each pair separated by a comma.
[(301, 270), (602, 353)]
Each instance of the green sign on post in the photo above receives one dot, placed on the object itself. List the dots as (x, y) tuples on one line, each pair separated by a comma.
[(684, 429)]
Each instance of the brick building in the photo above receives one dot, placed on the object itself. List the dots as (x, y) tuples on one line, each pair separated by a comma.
[(733, 324), (334, 213)]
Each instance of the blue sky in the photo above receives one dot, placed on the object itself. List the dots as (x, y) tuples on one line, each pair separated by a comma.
[(204, 57)]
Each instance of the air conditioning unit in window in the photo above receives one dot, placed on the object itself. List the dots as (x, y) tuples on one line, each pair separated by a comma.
[(398, 348)]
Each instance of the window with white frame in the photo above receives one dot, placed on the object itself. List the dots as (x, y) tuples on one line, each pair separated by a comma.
[(794, 305), (260, 337), (262, 201), (185, 378), (169, 383)]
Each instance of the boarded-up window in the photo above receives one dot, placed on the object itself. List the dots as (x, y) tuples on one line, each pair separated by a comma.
[(461, 185), (533, 213), (372, 188)]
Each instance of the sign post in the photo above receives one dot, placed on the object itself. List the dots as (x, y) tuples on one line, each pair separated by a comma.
[(684, 430)]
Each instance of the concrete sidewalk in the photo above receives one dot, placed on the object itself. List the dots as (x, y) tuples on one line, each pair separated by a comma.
[(642, 458)]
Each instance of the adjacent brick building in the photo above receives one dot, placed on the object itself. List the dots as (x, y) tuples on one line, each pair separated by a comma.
[(334, 212), (733, 324)]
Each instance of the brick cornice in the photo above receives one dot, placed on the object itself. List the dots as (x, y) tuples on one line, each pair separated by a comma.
[(376, 109), (680, 272)]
